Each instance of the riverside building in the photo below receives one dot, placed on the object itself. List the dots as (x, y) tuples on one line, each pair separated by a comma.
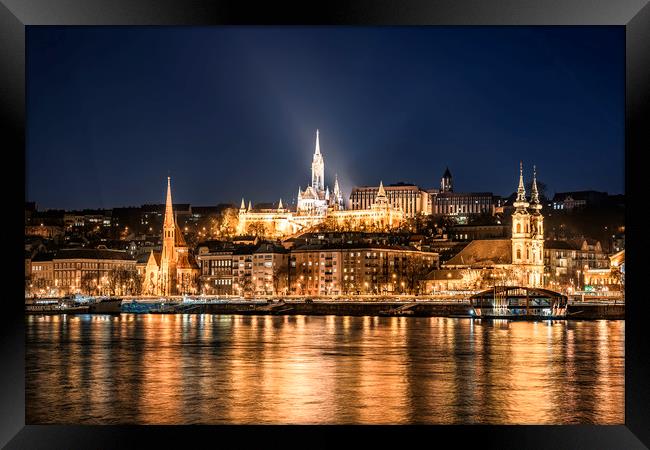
[(517, 260), (340, 269)]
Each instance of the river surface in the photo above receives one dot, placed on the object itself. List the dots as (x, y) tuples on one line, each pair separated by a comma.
[(229, 369)]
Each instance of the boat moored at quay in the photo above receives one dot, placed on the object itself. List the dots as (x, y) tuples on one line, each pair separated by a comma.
[(518, 302), (499, 302), (74, 304)]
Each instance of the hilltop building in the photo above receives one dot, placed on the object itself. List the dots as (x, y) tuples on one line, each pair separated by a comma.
[(315, 204)]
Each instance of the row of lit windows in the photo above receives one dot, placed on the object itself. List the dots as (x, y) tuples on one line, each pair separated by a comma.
[(220, 263), (105, 266)]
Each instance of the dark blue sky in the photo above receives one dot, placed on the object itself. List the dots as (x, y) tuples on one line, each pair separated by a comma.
[(232, 111)]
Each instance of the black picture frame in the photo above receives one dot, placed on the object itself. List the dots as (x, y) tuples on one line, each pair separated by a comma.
[(634, 15)]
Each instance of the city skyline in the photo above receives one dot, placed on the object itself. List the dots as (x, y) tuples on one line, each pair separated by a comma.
[(291, 202), (106, 125)]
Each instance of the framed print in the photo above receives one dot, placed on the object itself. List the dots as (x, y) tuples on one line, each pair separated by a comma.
[(248, 221)]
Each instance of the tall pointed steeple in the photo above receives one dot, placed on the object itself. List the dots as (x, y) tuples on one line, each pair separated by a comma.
[(243, 205), (338, 197), (250, 207), (520, 203), (534, 195), (280, 205), (445, 182), (318, 168), (169, 212), (168, 254)]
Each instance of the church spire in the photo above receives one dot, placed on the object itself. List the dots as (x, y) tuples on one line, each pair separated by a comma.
[(169, 212), (534, 196), (280, 205), (250, 207), (338, 198), (521, 203), (318, 168), (243, 205)]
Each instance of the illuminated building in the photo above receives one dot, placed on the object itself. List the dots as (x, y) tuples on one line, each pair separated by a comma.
[(528, 234), (315, 205), (381, 214), (445, 182), (215, 260), (571, 263), (357, 268), (446, 202), (175, 270), (518, 260), (313, 201), (269, 270), (242, 270), (272, 222), (408, 197), (71, 271)]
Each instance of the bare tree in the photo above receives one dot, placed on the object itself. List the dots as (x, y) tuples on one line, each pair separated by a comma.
[(256, 229), (414, 274), (280, 278), (89, 283), (124, 281), (246, 285)]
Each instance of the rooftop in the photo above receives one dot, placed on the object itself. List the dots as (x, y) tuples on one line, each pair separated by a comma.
[(484, 253)]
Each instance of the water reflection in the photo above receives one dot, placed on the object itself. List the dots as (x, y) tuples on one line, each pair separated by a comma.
[(160, 369)]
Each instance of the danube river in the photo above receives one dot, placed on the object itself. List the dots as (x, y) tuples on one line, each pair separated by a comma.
[(228, 369)]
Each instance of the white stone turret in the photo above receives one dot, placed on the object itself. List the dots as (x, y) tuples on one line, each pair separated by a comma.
[(318, 168)]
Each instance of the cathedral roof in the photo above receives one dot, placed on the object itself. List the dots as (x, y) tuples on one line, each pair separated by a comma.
[(186, 261), (445, 274), (179, 239), (311, 193), (144, 258), (483, 253)]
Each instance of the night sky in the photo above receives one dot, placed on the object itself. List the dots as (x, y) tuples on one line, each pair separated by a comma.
[(233, 111)]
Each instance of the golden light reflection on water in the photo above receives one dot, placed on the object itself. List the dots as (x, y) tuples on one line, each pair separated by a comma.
[(160, 369)]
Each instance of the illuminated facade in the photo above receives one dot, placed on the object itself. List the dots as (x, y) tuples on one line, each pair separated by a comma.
[(411, 199), (316, 204), (174, 270), (381, 214), (528, 234), (72, 271), (340, 269), (486, 262)]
